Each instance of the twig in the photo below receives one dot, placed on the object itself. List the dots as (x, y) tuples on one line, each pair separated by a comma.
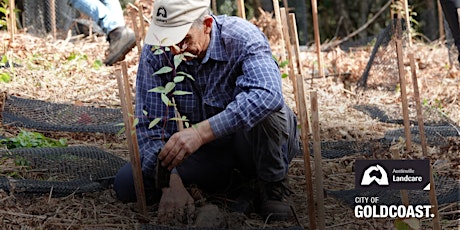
[(50, 195), (341, 224), (363, 27)]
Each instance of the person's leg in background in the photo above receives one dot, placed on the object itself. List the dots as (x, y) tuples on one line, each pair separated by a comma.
[(450, 9), (108, 14)]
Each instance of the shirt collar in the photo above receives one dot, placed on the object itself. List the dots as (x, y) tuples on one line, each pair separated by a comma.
[(216, 50)]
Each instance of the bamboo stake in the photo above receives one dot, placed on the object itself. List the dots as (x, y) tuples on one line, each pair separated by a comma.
[(314, 8), (276, 9), (402, 81), (241, 10), (299, 94), (318, 158), (127, 108), (421, 126)]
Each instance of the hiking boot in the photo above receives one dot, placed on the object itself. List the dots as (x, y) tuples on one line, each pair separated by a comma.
[(274, 203), (122, 40)]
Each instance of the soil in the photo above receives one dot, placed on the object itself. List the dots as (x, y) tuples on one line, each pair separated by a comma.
[(62, 70)]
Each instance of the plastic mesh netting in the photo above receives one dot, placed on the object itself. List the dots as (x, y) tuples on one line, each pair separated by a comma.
[(447, 191), (382, 64), (156, 227), (76, 169), (44, 115)]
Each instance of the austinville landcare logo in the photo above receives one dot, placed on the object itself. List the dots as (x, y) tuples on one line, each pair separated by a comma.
[(391, 175)]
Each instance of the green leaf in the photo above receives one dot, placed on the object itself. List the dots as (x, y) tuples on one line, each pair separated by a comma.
[(145, 112), (180, 73), (122, 130), (5, 77), (284, 75), (97, 64), (158, 89), (164, 69), (178, 59), (169, 87), (180, 92), (120, 124), (165, 99), (154, 122), (178, 79), (4, 59), (135, 122), (284, 63), (158, 51)]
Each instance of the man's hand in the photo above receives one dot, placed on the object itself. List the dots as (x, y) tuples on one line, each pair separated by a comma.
[(185, 142), (175, 202)]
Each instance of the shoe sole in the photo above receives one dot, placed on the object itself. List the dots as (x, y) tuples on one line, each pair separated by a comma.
[(121, 55)]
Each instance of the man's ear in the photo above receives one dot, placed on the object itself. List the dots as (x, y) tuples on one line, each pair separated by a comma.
[(208, 23)]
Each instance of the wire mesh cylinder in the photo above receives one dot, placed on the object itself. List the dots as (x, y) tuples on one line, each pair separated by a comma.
[(37, 16)]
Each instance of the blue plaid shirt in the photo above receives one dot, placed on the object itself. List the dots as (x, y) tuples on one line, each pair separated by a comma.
[(236, 85)]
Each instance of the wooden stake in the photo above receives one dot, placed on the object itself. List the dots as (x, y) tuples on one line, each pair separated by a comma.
[(241, 9), (142, 25), (214, 6), (53, 17), (298, 63), (403, 193), (299, 94), (314, 8), (12, 26), (421, 126), (402, 81), (288, 44), (406, 13), (136, 30), (276, 9), (130, 131), (418, 106), (318, 159), (295, 36)]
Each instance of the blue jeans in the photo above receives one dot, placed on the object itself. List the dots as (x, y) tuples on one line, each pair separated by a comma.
[(263, 152), (106, 13)]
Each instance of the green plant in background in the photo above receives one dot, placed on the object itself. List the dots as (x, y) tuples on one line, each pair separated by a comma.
[(4, 76), (27, 139), (281, 64), (4, 12), (98, 64)]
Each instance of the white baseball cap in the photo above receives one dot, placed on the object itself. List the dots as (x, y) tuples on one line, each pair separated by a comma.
[(172, 20)]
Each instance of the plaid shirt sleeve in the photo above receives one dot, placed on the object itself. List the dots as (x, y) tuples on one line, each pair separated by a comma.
[(148, 107)]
